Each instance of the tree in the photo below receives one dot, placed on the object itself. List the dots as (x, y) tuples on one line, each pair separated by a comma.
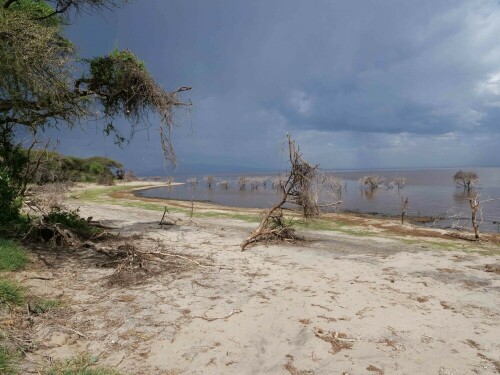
[(371, 182), (39, 87), (476, 207), (297, 189), (209, 180), (466, 179)]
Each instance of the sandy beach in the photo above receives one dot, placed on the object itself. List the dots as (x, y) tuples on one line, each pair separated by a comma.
[(371, 297)]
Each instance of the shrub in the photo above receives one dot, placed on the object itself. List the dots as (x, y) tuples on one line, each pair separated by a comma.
[(71, 220), (96, 168)]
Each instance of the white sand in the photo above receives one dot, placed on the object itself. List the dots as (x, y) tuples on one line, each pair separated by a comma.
[(405, 309)]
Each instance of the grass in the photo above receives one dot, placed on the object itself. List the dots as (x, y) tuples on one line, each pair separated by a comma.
[(12, 256), (80, 365), (8, 361), (11, 293), (44, 305)]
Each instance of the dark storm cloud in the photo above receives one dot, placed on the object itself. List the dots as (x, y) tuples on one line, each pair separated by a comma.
[(337, 74)]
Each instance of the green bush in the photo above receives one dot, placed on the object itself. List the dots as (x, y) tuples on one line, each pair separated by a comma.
[(12, 256), (71, 220), (96, 168)]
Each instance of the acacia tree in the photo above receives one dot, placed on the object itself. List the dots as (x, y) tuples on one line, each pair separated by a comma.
[(39, 87)]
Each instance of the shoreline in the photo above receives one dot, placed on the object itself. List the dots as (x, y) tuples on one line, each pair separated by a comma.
[(490, 226), (368, 219)]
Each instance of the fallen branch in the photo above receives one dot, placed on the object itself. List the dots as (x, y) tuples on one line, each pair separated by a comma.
[(234, 311)]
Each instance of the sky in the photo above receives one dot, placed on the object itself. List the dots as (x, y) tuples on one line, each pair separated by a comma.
[(358, 84)]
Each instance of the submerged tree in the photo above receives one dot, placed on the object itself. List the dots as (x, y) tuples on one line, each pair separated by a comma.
[(466, 179), (39, 87), (372, 182), (209, 180), (296, 189)]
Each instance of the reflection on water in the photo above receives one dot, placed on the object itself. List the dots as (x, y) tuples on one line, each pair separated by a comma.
[(463, 195), (369, 193), (431, 192)]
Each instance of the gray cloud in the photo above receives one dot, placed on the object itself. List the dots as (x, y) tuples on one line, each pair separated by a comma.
[(381, 81)]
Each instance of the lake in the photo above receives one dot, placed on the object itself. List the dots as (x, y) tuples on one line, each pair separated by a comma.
[(430, 192)]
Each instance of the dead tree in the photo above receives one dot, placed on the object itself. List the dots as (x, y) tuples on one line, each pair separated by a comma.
[(371, 182), (477, 213), (210, 180), (333, 184), (223, 185), (295, 189), (276, 182), (466, 179), (404, 208), (193, 181), (242, 182), (400, 182)]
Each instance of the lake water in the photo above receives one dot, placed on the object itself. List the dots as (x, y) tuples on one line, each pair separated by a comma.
[(430, 192)]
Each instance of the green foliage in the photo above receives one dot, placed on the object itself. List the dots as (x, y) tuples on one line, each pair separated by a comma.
[(9, 360), (96, 168), (12, 256), (124, 85), (11, 293), (57, 167), (36, 9), (39, 89), (80, 365), (9, 203), (70, 220)]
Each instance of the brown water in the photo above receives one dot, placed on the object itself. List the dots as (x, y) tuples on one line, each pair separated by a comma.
[(431, 192)]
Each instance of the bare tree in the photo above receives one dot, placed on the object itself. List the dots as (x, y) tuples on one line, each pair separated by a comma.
[(466, 179), (296, 189), (193, 181), (242, 182), (224, 184), (256, 182), (333, 184), (276, 182), (400, 182), (477, 213), (210, 180), (372, 182)]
